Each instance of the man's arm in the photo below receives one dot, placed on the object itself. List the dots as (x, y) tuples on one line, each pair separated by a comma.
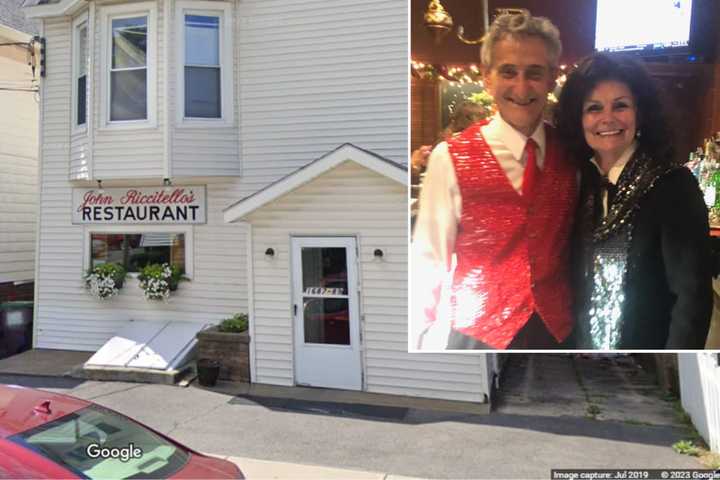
[(433, 242)]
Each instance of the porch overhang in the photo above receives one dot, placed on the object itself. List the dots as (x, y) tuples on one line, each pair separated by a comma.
[(344, 153)]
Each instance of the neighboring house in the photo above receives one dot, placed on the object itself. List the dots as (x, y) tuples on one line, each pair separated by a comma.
[(700, 393), (18, 155), (276, 134)]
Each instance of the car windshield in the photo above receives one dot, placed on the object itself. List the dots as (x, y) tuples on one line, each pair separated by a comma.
[(98, 443)]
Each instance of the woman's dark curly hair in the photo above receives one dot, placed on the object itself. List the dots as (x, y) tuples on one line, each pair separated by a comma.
[(656, 137)]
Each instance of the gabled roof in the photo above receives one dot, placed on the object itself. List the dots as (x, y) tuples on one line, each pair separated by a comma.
[(13, 16), (50, 8), (345, 152)]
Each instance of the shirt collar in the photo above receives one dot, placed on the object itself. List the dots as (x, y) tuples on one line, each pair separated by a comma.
[(616, 170), (514, 140)]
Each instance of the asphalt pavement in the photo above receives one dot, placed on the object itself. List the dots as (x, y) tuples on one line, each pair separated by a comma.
[(528, 435)]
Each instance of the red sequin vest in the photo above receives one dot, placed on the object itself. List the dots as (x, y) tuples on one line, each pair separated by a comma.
[(512, 251)]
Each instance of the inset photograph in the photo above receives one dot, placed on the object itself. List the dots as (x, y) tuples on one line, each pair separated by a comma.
[(565, 164)]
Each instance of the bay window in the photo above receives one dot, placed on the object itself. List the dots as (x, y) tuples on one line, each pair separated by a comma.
[(128, 69), (204, 62), (202, 66), (129, 63), (80, 72)]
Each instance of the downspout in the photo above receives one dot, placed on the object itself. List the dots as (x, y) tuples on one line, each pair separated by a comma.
[(38, 215), (167, 25), (251, 301)]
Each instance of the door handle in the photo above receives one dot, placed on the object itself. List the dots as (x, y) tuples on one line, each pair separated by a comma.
[(295, 310)]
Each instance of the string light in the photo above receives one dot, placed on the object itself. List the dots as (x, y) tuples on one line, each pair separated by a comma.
[(461, 75)]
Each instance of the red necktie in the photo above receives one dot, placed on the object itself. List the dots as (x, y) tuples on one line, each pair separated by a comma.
[(531, 168)]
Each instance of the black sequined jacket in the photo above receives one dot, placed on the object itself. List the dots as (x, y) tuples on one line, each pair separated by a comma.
[(660, 220)]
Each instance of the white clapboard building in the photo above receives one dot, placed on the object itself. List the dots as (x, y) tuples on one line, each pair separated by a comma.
[(700, 393), (18, 155), (260, 145)]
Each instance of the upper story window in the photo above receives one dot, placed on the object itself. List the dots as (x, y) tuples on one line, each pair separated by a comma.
[(129, 65), (128, 69), (205, 63), (80, 71), (202, 66)]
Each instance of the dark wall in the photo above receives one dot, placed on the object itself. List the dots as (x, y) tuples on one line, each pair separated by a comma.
[(692, 90), (574, 18)]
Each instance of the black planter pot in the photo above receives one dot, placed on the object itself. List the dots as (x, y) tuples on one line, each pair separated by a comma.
[(208, 371)]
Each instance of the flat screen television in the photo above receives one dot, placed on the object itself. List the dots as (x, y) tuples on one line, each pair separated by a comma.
[(652, 27)]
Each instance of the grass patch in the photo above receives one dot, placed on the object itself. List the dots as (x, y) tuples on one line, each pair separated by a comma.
[(695, 445), (593, 411), (686, 447), (710, 459)]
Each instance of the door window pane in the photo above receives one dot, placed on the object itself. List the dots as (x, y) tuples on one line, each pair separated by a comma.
[(129, 42), (128, 98), (324, 271), (327, 320), (202, 44), (324, 274), (202, 92)]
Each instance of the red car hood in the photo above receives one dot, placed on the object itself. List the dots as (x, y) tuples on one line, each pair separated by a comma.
[(18, 408), (201, 466)]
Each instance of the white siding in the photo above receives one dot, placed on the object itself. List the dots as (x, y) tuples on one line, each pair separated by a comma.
[(317, 74), (133, 153), (700, 393), (66, 315), (204, 152), (18, 168), (354, 201), (80, 157), (311, 75)]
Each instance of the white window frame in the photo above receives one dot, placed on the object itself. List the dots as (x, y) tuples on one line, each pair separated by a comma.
[(135, 229), (109, 14), (80, 21), (227, 108)]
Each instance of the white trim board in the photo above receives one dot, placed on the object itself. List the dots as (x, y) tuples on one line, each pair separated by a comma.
[(344, 153)]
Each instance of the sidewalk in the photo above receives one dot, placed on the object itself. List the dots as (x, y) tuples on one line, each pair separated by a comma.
[(553, 412), (264, 469)]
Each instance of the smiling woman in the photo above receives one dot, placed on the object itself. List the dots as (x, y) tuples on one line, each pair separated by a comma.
[(643, 258)]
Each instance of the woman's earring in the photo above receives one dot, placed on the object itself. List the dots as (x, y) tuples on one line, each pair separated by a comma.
[(637, 133)]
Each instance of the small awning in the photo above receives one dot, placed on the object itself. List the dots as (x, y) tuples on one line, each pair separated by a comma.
[(344, 153)]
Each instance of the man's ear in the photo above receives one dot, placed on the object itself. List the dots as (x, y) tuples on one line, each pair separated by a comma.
[(487, 78)]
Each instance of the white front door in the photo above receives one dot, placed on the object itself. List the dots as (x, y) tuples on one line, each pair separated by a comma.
[(325, 310)]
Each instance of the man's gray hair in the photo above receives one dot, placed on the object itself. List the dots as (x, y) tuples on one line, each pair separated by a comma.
[(521, 25)]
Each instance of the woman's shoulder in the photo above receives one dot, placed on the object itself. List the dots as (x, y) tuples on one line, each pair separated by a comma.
[(676, 182)]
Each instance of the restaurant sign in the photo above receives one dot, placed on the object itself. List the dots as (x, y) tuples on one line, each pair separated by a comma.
[(148, 205)]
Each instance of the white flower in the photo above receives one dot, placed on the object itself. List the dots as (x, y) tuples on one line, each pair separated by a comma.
[(158, 288), (101, 286)]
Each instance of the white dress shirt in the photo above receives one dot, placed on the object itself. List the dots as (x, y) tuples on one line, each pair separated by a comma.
[(439, 215), (614, 174)]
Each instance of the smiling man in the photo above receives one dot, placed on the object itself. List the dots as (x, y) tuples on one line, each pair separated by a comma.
[(496, 210)]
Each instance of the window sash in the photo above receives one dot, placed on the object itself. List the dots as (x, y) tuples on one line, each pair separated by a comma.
[(128, 105), (81, 71), (196, 107)]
